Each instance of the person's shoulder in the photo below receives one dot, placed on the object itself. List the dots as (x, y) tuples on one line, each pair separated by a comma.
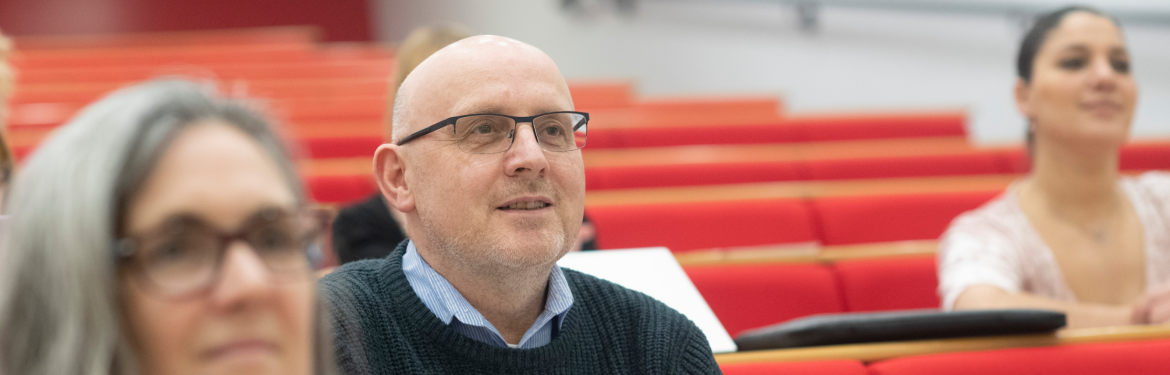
[(352, 281), (360, 278), (355, 270), (1162, 177), (1001, 213), (1002, 204), (1152, 191), (649, 324), (1153, 182)]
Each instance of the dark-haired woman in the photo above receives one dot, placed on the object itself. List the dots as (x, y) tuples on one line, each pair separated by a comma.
[(1074, 235)]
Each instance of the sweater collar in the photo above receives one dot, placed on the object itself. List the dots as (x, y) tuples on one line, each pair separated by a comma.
[(447, 304), (420, 325)]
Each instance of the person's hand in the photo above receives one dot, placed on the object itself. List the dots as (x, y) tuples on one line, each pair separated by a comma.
[(1153, 307)]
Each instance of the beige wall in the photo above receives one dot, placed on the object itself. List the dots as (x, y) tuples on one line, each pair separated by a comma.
[(861, 60)]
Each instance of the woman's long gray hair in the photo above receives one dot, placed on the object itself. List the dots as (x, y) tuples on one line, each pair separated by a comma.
[(59, 309)]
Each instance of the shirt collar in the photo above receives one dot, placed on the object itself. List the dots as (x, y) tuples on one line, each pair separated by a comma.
[(447, 303)]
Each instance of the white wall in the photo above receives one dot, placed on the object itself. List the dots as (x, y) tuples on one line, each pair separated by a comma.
[(859, 60)]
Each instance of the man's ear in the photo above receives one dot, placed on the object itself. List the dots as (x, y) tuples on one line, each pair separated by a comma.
[(1023, 98), (390, 173)]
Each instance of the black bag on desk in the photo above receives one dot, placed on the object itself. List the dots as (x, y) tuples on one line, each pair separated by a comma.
[(854, 328)]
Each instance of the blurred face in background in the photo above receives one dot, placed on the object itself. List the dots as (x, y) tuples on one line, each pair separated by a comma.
[(1081, 89), (248, 319)]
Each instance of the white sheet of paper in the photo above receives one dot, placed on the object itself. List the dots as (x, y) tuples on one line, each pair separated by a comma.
[(655, 272)]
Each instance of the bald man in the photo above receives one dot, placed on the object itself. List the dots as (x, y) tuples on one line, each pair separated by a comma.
[(486, 168)]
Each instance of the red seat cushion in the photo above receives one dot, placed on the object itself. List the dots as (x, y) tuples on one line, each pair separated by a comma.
[(682, 227), (340, 189), (688, 175), (713, 135), (872, 128), (846, 220), (1015, 160), (793, 130), (342, 147), (1131, 358), (796, 368), (889, 284), (751, 296), (1145, 157), (605, 138)]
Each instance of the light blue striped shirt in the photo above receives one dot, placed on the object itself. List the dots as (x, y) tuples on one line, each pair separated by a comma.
[(442, 299)]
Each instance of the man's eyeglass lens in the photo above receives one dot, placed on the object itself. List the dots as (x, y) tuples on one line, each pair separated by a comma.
[(486, 134), (188, 254)]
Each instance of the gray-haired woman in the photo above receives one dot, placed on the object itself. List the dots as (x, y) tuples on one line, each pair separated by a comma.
[(161, 231)]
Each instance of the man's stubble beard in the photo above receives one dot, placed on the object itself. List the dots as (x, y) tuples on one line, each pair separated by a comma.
[(491, 252)]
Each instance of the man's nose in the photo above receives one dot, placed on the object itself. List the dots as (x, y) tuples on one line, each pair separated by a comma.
[(526, 154)]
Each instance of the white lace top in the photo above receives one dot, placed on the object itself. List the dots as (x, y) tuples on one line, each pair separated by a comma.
[(996, 245)]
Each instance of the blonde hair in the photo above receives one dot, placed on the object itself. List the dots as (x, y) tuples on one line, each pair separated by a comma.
[(418, 46)]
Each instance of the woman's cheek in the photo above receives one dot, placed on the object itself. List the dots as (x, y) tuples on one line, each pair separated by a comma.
[(164, 332), (300, 309)]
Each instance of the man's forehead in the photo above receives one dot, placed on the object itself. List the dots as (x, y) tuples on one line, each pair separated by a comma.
[(494, 108), (486, 75), (485, 55)]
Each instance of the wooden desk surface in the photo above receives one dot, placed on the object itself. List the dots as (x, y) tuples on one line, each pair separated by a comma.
[(887, 350)]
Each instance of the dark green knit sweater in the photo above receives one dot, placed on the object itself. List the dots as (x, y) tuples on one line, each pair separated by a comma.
[(382, 327)]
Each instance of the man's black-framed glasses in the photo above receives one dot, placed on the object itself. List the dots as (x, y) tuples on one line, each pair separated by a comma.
[(492, 133)]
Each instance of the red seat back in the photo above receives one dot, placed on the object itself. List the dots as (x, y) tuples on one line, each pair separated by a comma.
[(796, 368), (688, 174), (885, 218), (683, 227), (340, 189), (1131, 358), (692, 135), (886, 167), (1145, 156), (830, 129), (756, 295), (342, 147), (889, 284), (791, 130), (1015, 161)]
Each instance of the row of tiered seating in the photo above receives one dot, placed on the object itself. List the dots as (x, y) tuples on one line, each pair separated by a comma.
[(827, 219), (757, 205), (838, 160)]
